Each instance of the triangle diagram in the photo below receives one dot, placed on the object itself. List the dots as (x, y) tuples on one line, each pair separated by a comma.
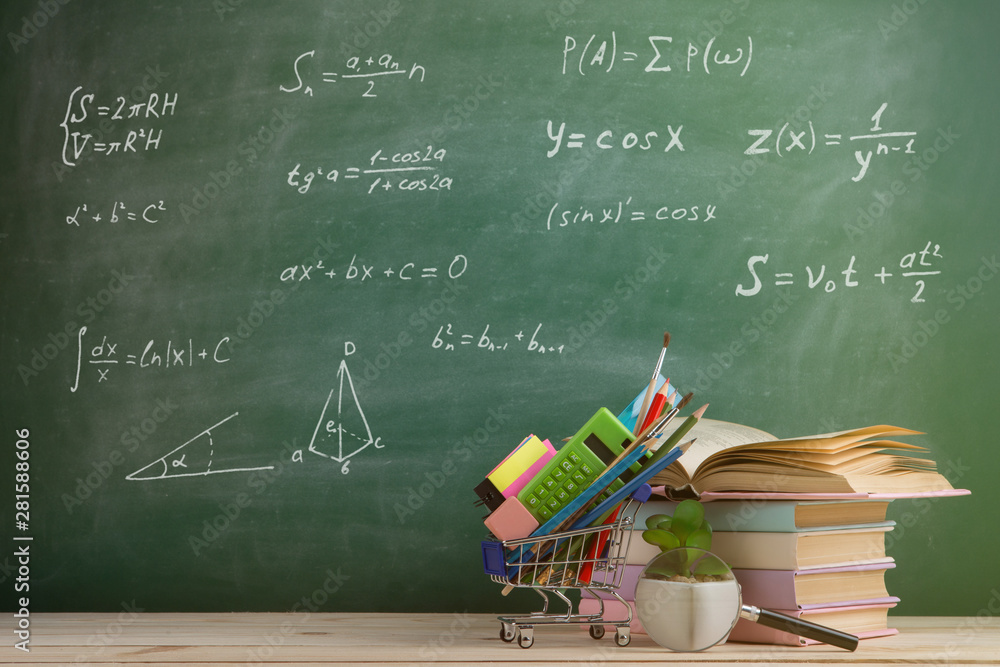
[(342, 430), (192, 459)]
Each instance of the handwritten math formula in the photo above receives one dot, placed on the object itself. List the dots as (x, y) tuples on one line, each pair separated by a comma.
[(104, 355), (409, 171), (448, 339), (366, 70), (80, 136), (920, 265), (623, 211), (657, 54), (643, 140), (358, 271), (787, 142), (118, 212)]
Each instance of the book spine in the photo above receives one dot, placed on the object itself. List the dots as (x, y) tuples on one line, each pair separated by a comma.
[(733, 515)]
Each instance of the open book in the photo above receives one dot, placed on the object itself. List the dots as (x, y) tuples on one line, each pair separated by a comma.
[(733, 457)]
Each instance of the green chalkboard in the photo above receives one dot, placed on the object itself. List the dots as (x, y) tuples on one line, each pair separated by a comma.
[(282, 283)]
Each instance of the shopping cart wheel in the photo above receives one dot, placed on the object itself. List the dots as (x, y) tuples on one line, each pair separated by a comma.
[(525, 638), (597, 631), (622, 636), (507, 632)]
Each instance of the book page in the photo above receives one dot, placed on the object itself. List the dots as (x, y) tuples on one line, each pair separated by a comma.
[(714, 436)]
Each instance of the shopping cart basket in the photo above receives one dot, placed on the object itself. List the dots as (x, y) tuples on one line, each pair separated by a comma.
[(591, 559)]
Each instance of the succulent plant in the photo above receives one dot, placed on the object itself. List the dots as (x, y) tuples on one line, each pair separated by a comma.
[(686, 528)]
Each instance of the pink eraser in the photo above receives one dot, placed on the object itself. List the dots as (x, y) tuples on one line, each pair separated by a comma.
[(511, 521)]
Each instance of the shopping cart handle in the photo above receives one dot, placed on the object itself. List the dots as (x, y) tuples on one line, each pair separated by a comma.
[(493, 558), (643, 493)]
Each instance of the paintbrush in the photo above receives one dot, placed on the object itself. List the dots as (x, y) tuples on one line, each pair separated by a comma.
[(648, 398)]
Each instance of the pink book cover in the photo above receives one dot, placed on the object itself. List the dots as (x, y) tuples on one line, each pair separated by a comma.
[(775, 589), (761, 495), (755, 633), (613, 611), (630, 578), (745, 631)]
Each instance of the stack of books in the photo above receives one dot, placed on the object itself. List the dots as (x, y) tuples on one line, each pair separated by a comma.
[(802, 522)]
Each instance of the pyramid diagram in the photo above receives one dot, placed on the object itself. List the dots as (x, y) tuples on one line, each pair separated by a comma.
[(342, 430), (194, 458)]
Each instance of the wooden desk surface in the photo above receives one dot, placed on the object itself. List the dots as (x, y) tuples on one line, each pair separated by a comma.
[(453, 639)]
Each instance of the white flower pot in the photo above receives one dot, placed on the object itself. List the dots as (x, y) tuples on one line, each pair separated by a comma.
[(687, 616)]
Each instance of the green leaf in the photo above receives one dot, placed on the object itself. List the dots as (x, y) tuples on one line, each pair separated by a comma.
[(701, 538), (688, 517), (661, 538), (661, 521)]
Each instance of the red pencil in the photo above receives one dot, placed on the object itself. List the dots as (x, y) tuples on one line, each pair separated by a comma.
[(596, 547), (656, 406)]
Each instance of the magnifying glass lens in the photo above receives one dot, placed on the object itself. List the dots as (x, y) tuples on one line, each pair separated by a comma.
[(687, 599)]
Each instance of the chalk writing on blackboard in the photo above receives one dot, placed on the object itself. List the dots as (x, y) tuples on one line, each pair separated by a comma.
[(788, 142), (450, 338), (643, 140), (83, 107), (343, 434), (367, 70), (118, 212), (415, 169), (623, 211), (920, 265), (192, 459), (105, 356), (593, 54), (360, 272)]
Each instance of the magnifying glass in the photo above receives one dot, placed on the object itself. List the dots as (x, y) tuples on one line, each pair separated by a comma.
[(689, 600)]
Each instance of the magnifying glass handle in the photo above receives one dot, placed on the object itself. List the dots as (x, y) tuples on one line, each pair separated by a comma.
[(797, 626)]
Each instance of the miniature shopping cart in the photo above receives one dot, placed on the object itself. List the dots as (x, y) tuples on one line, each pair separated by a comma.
[(590, 559)]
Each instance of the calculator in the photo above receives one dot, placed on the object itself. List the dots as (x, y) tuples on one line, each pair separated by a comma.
[(576, 465)]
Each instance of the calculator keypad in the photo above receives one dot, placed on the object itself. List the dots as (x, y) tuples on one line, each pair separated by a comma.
[(564, 482)]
